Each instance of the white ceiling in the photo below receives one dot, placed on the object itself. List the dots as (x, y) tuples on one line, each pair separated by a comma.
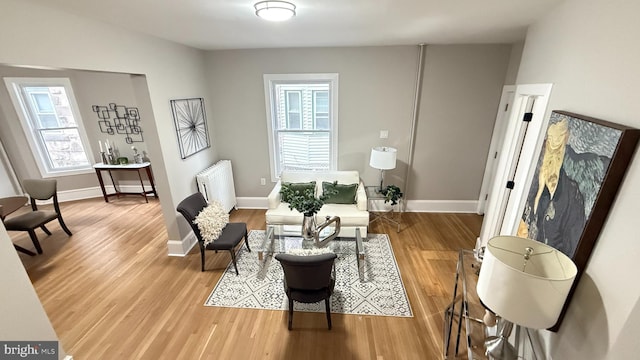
[(232, 24)]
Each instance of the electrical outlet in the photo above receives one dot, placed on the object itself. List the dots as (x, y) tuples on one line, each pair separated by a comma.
[(384, 134), (263, 181)]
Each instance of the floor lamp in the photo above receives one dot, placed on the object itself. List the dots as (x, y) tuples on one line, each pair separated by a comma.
[(526, 283), (383, 158)]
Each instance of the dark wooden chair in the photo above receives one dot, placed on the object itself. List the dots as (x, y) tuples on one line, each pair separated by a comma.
[(231, 235), (308, 279), (38, 189)]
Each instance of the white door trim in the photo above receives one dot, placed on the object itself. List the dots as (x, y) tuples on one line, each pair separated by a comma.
[(503, 205), (497, 138)]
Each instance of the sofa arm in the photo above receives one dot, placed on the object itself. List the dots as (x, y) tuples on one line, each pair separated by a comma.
[(274, 196), (361, 197)]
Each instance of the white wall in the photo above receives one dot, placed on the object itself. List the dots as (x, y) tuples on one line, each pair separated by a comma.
[(589, 50), (375, 92), (22, 314), (462, 87), (41, 36)]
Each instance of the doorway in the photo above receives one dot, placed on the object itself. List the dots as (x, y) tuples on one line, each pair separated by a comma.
[(515, 161)]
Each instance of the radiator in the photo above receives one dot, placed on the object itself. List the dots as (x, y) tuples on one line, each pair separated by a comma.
[(216, 183)]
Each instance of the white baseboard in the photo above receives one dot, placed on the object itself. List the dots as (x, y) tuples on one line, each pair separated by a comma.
[(252, 202), (94, 192), (181, 247), (443, 206), (79, 194)]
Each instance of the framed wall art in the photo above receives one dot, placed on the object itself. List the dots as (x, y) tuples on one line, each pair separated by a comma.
[(579, 170), (191, 125)]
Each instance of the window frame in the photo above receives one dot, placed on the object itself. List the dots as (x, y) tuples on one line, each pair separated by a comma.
[(36, 144), (270, 82)]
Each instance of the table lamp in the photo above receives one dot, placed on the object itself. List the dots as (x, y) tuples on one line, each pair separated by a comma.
[(525, 282), (383, 158)]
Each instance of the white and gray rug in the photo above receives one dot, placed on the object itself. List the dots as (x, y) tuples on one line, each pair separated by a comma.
[(259, 285)]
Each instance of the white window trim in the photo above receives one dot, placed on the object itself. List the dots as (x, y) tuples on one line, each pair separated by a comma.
[(13, 84), (270, 80)]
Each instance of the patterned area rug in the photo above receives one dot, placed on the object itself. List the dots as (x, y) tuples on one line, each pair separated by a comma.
[(259, 285)]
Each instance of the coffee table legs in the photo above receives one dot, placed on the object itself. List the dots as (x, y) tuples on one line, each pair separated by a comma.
[(360, 256), (268, 240)]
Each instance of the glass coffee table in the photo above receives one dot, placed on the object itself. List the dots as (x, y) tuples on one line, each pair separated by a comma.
[(288, 238)]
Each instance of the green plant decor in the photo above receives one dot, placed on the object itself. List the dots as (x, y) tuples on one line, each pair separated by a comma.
[(391, 193), (304, 201)]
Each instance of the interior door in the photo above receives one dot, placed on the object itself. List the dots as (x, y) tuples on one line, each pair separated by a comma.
[(515, 161), (497, 140)]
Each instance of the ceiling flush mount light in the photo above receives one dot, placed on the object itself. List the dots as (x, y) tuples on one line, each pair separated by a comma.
[(275, 10)]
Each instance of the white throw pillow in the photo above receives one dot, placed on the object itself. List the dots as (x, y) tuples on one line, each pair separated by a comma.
[(211, 220)]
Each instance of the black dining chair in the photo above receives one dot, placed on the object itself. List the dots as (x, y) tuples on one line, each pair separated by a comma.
[(308, 279), (230, 237), (38, 189)]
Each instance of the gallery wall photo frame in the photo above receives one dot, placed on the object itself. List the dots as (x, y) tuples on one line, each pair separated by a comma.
[(191, 125), (577, 175)]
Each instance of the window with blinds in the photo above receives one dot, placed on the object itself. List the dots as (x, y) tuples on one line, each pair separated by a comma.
[(302, 121)]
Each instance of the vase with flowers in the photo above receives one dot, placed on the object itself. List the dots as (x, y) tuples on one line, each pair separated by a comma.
[(304, 201)]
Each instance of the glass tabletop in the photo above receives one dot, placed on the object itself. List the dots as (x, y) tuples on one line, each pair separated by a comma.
[(288, 239)]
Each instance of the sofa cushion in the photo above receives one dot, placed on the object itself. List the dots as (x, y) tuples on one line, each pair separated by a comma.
[(299, 188), (349, 215), (342, 193)]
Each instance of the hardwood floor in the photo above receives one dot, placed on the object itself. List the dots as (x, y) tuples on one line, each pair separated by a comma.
[(111, 292)]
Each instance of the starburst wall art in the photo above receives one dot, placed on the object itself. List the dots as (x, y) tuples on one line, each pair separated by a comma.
[(191, 125)]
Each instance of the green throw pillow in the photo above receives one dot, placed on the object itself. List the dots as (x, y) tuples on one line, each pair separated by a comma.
[(345, 194), (300, 187)]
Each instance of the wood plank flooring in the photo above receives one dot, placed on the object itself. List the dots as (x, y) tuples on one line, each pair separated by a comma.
[(111, 292)]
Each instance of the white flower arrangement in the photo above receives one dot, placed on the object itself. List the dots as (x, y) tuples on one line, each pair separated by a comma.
[(309, 252), (211, 220)]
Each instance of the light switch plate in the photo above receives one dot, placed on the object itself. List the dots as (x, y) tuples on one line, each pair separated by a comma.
[(384, 134)]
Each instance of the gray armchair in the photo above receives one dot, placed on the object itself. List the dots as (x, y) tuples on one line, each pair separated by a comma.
[(38, 189)]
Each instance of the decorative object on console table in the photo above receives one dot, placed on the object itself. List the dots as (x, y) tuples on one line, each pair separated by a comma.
[(119, 119), (578, 173), (191, 125), (305, 202), (525, 282), (137, 157), (383, 158)]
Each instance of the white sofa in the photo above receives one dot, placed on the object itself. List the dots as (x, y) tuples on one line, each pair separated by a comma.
[(352, 216)]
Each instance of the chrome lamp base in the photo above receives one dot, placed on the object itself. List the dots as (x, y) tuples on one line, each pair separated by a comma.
[(498, 347)]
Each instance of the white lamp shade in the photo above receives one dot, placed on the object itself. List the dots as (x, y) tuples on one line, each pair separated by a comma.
[(532, 297), (383, 158)]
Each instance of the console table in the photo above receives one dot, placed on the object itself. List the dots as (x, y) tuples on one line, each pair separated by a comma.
[(138, 168), (464, 329)]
